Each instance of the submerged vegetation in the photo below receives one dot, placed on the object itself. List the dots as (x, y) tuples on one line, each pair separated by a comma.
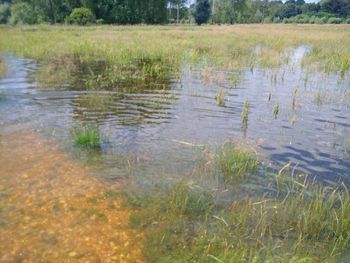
[(87, 136), (281, 217)]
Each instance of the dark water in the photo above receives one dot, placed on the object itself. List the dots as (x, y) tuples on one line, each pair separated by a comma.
[(159, 130)]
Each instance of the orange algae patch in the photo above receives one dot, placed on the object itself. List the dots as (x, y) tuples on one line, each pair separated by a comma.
[(53, 210)]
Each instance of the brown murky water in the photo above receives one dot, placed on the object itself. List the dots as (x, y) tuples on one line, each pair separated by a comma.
[(53, 210)]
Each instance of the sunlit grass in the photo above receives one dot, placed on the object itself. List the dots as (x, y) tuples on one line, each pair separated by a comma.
[(106, 57)]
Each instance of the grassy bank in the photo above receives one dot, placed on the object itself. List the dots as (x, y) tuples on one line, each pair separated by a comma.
[(107, 57), (270, 217)]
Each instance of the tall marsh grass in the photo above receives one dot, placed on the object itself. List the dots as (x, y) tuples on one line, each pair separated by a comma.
[(103, 57)]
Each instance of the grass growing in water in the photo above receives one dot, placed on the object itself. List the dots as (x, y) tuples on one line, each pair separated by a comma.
[(220, 97), (245, 114), (293, 220), (87, 136), (2, 68), (234, 162), (276, 110)]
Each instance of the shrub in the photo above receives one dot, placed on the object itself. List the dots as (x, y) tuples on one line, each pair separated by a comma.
[(81, 16), (267, 20), (277, 20), (347, 21), (313, 20), (100, 21), (4, 13), (22, 13), (322, 20), (334, 20)]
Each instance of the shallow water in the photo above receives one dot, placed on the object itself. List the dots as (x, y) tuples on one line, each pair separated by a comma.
[(53, 210), (158, 130)]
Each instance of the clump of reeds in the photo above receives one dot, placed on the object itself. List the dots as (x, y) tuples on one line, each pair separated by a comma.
[(220, 97), (245, 114), (276, 110)]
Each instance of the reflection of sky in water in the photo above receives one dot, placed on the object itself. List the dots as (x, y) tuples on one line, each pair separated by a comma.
[(159, 126)]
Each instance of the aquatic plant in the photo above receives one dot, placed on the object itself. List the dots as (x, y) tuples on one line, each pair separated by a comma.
[(276, 110), (295, 91), (293, 219), (87, 136), (220, 97), (245, 114), (319, 98), (2, 68), (293, 119), (235, 162)]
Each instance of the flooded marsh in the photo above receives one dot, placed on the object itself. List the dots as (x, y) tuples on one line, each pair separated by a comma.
[(211, 144)]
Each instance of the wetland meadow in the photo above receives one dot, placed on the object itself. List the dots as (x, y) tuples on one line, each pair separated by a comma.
[(218, 143)]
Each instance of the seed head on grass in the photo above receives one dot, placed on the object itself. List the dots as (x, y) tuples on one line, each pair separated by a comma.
[(87, 136)]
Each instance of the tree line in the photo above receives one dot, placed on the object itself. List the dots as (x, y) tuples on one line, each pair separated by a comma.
[(173, 11)]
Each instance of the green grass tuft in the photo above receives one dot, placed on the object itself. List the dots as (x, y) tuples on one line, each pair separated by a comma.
[(87, 136), (235, 162), (220, 97)]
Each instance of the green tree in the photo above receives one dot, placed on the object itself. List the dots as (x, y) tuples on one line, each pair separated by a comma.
[(4, 13), (202, 12), (22, 13), (81, 16)]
